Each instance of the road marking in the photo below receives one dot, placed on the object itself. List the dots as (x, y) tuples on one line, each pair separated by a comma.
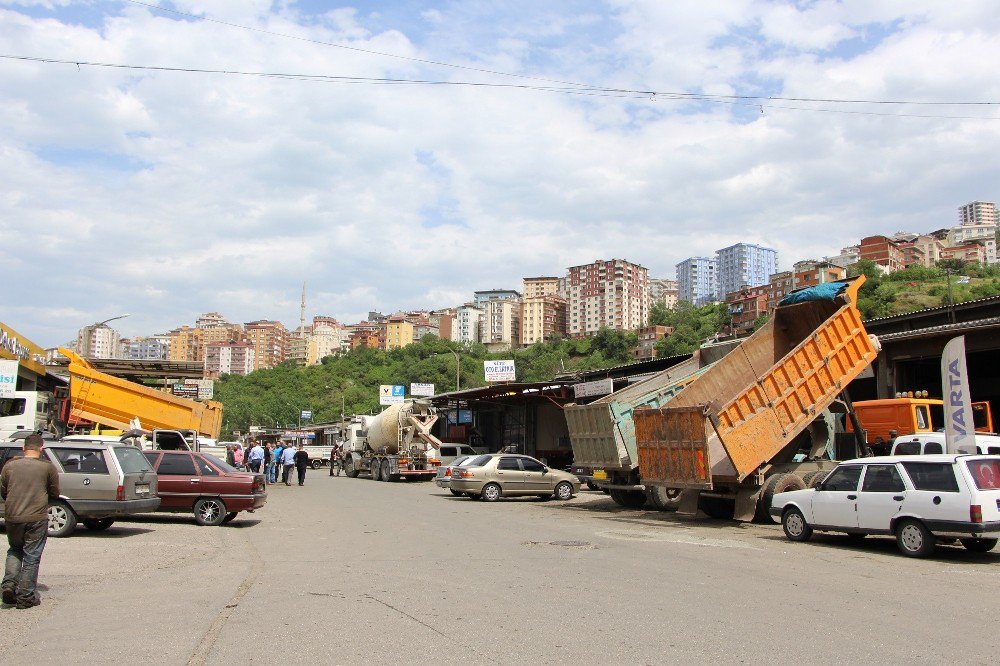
[(664, 537)]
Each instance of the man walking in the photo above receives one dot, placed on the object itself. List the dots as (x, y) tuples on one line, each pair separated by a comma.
[(279, 448), (26, 486), (301, 463), (255, 457), (287, 463)]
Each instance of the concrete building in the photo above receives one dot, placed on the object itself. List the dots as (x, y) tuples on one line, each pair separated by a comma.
[(744, 265), (398, 332), (269, 340), (228, 358), (648, 337), (480, 297), (147, 349), (98, 341), (298, 344), (501, 323), (607, 294), (930, 249), (810, 273), (848, 256), (697, 280), (444, 320), (468, 320), (539, 286), (364, 334), (984, 233), (781, 284), (542, 317), (329, 338), (970, 252), (978, 212), (187, 344), (662, 290), (745, 305), (883, 251)]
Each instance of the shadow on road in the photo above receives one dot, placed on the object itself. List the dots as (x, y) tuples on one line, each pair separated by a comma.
[(886, 545)]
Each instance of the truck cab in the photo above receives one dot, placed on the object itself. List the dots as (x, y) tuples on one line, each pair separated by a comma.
[(884, 419), (26, 410)]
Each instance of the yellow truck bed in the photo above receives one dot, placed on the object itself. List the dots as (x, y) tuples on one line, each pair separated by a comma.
[(113, 402)]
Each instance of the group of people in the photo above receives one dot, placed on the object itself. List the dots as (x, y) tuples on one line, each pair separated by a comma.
[(270, 458)]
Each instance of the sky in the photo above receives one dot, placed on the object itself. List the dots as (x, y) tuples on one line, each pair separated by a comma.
[(166, 194)]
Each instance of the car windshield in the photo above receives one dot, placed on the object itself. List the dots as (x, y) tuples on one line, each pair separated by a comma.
[(478, 461), (985, 473), (225, 467), (132, 460)]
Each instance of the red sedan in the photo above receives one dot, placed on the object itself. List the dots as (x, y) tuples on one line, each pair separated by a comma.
[(214, 491)]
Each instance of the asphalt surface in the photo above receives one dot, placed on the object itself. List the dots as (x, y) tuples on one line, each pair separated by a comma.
[(352, 571)]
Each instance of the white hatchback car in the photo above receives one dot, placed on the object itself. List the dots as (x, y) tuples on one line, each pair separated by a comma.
[(916, 498)]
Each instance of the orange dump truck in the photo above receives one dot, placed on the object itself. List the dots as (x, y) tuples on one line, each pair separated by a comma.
[(114, 402), (761, 420)]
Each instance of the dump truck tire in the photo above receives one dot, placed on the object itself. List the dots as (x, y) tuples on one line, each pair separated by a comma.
[(630, 499), (774, 484), (664, 499), (813, 479)]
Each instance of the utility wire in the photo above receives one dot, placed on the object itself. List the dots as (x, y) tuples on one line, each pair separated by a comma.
[(740, 100)]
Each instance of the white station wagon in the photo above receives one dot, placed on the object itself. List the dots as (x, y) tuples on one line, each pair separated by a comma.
[(918, 499)]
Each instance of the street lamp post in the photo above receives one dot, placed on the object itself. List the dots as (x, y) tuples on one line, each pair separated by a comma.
[(89, 333), (458, 369)]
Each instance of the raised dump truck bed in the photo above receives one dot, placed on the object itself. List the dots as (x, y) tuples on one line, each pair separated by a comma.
[(114, 402), (728, 429)]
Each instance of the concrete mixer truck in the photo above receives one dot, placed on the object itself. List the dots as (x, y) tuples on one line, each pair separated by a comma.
[(394, 445)]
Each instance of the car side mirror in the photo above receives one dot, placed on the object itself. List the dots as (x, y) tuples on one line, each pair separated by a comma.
[(819, 487), (545, 470)]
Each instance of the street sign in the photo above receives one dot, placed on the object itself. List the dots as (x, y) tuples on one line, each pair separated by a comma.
[(391, 395), (421, 389), (189, 391), (8, 378), (499, 371), (599, 387), (306, 415)]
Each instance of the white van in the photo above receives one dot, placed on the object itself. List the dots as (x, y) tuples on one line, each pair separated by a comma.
[(927, 443)]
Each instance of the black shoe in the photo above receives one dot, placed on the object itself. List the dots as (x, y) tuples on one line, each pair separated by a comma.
[(9, 596), (30, 603)]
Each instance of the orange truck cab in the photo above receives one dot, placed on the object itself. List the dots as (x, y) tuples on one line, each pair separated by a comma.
[(884, 419)]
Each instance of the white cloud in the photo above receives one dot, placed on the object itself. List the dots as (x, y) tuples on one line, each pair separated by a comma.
[(167, 194)]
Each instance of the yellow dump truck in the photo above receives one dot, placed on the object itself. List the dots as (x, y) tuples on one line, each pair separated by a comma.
[(113, 402), (758, 421)]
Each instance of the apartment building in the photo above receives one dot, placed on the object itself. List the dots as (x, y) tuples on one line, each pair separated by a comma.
[(662, 290), (147, 349), (810, 273), (606, 294), (269, 340), (228, 358), (365, 334), (697, 280), (745, 305), (930, 249), (186, 344), (329, 338), (480, 297), (848, 256), (969, 252), (501, 322), (648, 337), (780, 285), (978, 212), (398, 332), (98, 341), (883, 251), (984, 234), (468, 321), (539, 286), (444, 321), (542, 317), (744, 264)]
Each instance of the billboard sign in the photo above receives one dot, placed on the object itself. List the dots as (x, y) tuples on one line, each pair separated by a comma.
[(499, 371), (421, 389), (599, 387), (959, 428), (16, 347), (189, 391), (306, 415), (391, 395), (8, 378)]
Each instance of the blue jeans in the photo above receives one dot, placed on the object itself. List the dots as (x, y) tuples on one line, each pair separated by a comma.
[(27, 541), (272, 472)]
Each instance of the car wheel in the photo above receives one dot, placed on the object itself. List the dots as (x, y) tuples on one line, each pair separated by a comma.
[(979, 545), (384, 471), (563, 491), (62, 520), (593, 486), (664, 499), (98, 524), (210, 511), (631, 499), (491, 492), (914, 539), (456, 493), (795, 525), (316, 464), (229, 517)]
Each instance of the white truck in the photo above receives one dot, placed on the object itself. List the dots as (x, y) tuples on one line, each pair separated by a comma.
[(396, 444), (28, 410)]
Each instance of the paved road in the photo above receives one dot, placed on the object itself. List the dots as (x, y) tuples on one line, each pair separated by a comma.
[(352, 571)]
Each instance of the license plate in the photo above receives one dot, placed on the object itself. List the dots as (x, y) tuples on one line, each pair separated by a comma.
[(600, 474), (142, 488)]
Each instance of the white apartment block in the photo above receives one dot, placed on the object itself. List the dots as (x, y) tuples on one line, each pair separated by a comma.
[(697, 280), (501, 322), (468, 319), (982, 233), (848, 256), (606, 294), (744, 264), (98, 342), (662, 290), (228, 358), (978, 212)]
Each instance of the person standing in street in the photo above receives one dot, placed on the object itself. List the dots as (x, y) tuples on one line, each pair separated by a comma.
[(287, 463), (255, 458), (335, 460), (301, 464), (279, 448), (268, 463), (26, 486), (238, 456), (229, 455)]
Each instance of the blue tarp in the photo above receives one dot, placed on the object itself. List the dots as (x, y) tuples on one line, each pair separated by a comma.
[(821, 292)]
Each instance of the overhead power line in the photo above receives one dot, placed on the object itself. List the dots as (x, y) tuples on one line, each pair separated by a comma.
[(755, 101)]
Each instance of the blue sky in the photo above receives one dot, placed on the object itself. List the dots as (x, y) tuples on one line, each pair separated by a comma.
[(168, 194)]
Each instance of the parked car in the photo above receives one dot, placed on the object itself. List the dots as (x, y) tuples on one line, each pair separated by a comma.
[(919, 499), (493, 476), (98, 482), (448, 453), (933, 442), (444, 472), (202, 484)]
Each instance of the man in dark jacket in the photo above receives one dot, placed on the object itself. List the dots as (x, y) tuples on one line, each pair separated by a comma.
[(301, 463), (26, 486)]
